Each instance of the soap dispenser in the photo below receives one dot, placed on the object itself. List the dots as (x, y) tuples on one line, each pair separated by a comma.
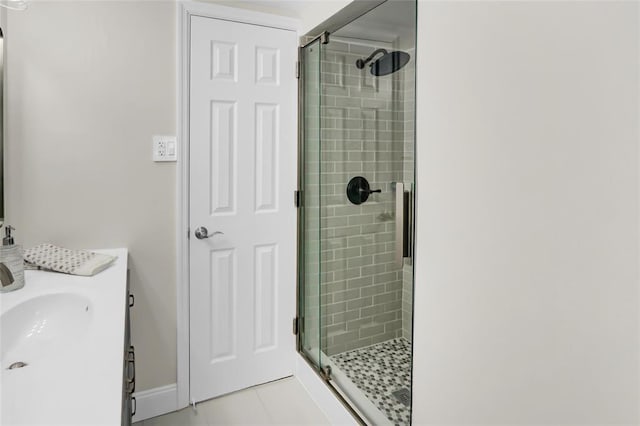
[(11, 263)]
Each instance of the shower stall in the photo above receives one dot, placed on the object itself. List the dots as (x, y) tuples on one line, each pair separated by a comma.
[(356, 221)]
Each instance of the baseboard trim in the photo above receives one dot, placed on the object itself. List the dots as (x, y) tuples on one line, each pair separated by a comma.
[(155, 402)]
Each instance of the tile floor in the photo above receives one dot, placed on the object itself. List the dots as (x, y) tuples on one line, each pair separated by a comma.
[(283, 402), (383, 372)]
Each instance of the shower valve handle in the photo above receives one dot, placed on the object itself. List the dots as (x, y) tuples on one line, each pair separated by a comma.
[(370, 191)]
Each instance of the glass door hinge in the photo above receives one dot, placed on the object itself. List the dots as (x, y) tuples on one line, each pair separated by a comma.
[(295, 326), (297, 69), (297, 198)]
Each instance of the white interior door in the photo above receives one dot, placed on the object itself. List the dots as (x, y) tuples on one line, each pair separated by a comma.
[(242, 178)]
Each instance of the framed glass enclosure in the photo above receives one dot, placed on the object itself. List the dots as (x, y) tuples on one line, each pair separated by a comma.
[(357, 144)]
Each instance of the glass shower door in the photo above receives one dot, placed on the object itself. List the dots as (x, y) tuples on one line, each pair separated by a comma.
[(309, 203), (357, 163)]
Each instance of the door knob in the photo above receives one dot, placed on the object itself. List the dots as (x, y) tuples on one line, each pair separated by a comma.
[(201, 233)]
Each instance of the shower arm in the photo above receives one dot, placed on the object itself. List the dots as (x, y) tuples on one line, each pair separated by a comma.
[(361, 63)]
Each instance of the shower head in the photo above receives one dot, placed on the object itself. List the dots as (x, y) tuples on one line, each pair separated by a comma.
[(388, 63)]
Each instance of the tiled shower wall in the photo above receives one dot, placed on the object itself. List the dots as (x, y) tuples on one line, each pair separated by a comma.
[(354, 294), (363, 134)]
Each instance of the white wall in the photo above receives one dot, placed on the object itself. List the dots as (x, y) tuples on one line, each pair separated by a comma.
[(88, 84), (526, 300)]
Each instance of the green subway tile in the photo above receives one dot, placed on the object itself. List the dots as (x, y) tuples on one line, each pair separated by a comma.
[(359, 282), (347, 274), (371, 331), (383, 299), (372, 290), (358, 323), (371, 311), (359, 303), (359, 261), (346, 295)]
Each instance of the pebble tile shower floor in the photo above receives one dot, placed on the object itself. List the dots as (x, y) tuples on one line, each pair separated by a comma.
[(383, 372)]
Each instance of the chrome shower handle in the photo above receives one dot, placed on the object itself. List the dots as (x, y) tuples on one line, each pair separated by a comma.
[(201, 233)]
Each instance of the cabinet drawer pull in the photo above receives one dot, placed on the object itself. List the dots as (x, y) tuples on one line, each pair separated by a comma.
[(132, 300), (134, 406), (131, 370)]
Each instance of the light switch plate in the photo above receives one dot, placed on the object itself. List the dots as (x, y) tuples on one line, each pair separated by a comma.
[(165, 148)]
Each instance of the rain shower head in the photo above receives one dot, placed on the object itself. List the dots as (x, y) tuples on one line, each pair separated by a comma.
[(388, 63)]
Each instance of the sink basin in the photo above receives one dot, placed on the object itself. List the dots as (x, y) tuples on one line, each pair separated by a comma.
[(43, 326)]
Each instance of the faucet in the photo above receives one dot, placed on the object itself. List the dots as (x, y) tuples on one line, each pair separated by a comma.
[(6, 277)]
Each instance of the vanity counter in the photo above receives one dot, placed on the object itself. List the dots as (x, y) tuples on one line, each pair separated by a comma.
[(75, 374)]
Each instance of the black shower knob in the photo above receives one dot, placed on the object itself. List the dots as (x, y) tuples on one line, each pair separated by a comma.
[(358, 190)]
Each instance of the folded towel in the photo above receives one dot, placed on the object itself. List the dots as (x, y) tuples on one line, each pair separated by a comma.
[(74, 262)]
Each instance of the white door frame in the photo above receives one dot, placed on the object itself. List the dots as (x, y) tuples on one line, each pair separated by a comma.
[(186, 9)]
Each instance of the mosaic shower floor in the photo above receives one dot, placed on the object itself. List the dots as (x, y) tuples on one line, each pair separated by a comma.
[(383, 372)]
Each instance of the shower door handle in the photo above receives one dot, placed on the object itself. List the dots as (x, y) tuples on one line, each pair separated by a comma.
[(403, 201)]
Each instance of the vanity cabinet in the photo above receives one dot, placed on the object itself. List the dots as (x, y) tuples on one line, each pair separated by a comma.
[(129, 367), (80, 366)]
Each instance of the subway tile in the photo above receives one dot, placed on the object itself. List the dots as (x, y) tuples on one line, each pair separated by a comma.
[(382, 299), (393, 326), (345, 337), (345, 101), (347, 231), (360, 343), (375, 228), (383, 258), (335, 308), (359, 261), (336, 329), (359, 282), (385, 318), (372, 269), (386, 277), (394, 286), (343, 317), (336, 349), (347, 253), (383, 337), (392, 306), (347, 274), (360, 240), (346, 295), (371, 330), (360, 303), (371, 311), (336, 286), (373, 290)]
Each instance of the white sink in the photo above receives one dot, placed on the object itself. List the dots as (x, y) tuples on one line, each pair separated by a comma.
[(42, 327)]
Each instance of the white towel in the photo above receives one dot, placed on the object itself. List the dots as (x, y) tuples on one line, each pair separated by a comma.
[(74, 262)]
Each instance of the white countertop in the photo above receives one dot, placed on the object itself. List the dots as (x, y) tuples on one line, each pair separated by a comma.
[(85, 388)]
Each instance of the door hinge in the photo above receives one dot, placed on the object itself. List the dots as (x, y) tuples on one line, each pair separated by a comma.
[(297, 198), (297, 69), (324, 37), (188, 233), (295, 326)]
